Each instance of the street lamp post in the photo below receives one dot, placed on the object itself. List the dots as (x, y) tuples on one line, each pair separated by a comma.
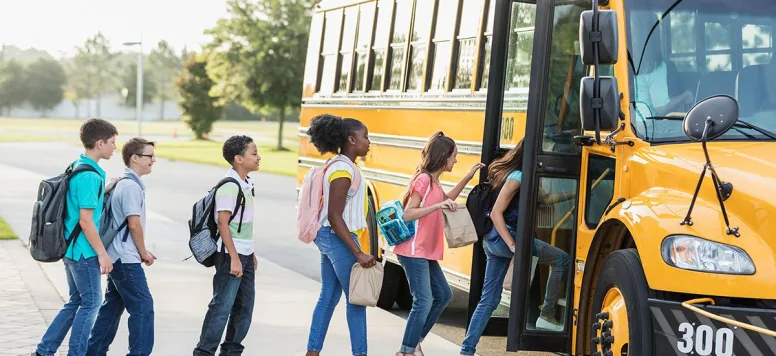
[(139, 86)]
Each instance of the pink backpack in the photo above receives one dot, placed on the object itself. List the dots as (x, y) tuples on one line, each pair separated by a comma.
[(310, 203)]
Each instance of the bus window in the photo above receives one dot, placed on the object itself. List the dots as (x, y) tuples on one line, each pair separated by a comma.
[(757, 42), (518, 73), (683, 41), (718, 49), (401, 28), (331, 40), (314, 48), (365, 24), (561, 120), (443, 36), (599, 187), (551, 250), (487, 45), (382, 31), (346, 48), (467, 42), (424, 11)]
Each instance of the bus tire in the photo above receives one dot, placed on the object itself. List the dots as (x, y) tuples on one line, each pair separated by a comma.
[(392, 277), (622, 279)]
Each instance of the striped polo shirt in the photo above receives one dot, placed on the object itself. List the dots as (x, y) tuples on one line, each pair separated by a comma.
[(356, 205)]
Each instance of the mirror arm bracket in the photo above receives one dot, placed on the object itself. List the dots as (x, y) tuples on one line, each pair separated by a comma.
[(720, 188)]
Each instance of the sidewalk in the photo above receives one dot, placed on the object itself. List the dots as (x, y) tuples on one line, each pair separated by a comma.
[(284, 305)]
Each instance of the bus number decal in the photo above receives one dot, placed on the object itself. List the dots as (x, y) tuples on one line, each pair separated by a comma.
[(702, 340), (507, 128)]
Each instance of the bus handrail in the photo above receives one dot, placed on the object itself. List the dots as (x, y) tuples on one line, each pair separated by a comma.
[(689, 305), (568, 214)]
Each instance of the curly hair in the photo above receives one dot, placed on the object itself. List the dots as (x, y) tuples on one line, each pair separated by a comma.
[(235, 145), (329, 133)]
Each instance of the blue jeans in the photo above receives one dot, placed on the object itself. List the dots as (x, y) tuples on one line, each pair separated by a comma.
[(78, 314), (498, 257), (230, 308), (127, 288), (336, 263), (430, 296)]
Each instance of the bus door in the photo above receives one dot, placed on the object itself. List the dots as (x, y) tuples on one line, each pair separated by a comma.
[(512, 26), (541, 316)]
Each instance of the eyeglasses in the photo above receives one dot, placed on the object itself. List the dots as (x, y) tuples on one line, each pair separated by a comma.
[(143, 155)]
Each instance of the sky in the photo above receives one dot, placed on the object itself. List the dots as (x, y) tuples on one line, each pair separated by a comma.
[(57, 26)]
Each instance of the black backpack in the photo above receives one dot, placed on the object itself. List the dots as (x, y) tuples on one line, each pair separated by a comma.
[(480, 202), (203, 230), (47, 233)]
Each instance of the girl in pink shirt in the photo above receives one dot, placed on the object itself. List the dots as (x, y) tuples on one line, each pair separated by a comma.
[(420, 255)]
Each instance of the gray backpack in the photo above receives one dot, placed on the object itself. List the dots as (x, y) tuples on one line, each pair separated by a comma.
[(47, 233), (203, 231), (107, 231)]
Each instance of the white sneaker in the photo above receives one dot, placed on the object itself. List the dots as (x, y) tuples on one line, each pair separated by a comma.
[(548, 324)]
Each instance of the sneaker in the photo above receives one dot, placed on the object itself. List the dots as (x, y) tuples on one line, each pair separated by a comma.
[(548, 324)]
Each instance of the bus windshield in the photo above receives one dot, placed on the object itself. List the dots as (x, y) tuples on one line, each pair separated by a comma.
[(683, 51)]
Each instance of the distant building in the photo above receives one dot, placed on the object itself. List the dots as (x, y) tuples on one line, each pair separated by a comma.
[(111, 107)]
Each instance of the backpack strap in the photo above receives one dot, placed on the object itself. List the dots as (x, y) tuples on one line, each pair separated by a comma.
[(240, 200), (71, 173), (355, 183)]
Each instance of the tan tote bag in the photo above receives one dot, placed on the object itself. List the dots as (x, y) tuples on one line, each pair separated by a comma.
[(459, 228), (365, 284)]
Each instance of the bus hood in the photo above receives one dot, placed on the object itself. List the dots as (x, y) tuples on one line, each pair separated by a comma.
[(749, 166)]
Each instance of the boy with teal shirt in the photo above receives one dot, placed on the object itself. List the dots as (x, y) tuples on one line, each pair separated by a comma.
[(86, 258)]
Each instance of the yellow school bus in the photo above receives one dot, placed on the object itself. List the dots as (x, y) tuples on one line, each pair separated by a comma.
[(658, 114)]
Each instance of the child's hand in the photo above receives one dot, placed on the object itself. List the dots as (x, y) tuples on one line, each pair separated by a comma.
[(474, 169), (255, 263)]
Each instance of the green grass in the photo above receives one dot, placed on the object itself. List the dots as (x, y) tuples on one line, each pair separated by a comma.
[(5, 231), (209, 152)]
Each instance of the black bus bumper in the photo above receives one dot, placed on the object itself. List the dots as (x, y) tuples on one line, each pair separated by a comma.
[(681, 331)]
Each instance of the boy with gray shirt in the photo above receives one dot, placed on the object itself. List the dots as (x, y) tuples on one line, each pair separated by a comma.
[(127, 284)]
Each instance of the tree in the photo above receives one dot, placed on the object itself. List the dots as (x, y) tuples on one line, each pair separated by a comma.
[(255, 55), (46, 79), (165, 65), (13, 85), (130, 82), (96, 64), (200, 109)]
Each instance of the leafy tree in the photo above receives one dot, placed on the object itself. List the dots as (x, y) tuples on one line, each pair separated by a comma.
[(130, 82), (165, 65), (256, 56), (13, 85), (46, 79), (97, 67), (200, 109)]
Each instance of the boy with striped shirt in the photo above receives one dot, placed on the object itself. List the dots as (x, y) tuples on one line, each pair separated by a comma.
[(233, 283)]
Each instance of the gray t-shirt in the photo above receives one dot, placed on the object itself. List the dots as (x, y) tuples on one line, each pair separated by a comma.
[(128, 199)]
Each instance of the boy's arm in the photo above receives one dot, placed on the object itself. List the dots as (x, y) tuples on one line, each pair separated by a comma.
[(226, 237), (88, 185), (131, 200), (226, 200), (135, 227), (86, 220)]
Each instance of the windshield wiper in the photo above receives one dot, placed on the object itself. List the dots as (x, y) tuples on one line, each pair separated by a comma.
[(763, 131)]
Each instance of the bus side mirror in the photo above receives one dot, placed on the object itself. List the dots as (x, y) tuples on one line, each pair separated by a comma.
[(608, 103), (606, 35)]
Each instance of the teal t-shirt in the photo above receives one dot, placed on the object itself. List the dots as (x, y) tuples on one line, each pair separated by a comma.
[(516, 175), (84, 193)]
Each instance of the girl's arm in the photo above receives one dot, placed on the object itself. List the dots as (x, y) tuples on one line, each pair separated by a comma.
[(455, 192), (413, 211), (338, 191)]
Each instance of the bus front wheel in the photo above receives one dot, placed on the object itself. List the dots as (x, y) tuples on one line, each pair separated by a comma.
[(621, 320)]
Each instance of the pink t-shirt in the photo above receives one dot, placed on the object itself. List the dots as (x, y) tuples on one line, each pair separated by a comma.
[(428, 242)]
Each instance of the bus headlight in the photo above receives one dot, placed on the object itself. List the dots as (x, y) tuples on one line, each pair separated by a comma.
[(696, 254)]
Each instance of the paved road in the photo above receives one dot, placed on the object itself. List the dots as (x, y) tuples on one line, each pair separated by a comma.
[(174, 186)]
